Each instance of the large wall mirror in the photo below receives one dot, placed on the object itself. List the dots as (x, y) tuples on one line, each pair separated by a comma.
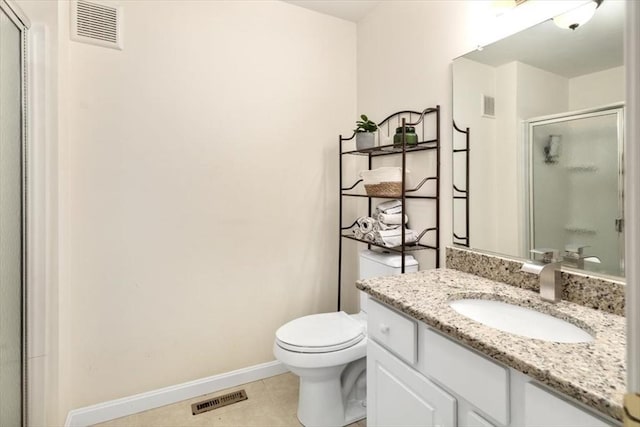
[(545, 110)]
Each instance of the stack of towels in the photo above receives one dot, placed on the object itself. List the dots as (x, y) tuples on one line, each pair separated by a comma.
[(385, 228)]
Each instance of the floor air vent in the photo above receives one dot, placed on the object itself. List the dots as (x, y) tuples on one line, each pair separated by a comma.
[(218, 402), (96, 23)]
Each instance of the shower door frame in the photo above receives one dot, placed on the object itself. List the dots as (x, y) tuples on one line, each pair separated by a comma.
[(21, 21), (617, 109)]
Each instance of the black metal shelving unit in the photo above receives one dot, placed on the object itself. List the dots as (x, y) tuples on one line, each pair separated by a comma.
[(463, 194), (403, 119)]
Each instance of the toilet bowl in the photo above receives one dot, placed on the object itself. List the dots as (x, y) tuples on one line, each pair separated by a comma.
[(328, 352)]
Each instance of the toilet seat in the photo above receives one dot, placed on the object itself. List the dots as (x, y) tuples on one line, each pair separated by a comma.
[(320, 333)]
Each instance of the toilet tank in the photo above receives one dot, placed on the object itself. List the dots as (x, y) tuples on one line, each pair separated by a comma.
[(378, 264)]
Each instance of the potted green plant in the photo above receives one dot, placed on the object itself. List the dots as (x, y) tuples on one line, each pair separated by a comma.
[(365, 137)]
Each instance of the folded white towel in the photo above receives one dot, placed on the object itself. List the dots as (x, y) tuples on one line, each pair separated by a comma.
[(366, 224), (392, 219), (386, 207), (357, 233), (395, 232), (393, 238), (383, 226), (390, 211)]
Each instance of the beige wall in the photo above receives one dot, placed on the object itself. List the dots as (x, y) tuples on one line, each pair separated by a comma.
[(596, 89), (198, 190)]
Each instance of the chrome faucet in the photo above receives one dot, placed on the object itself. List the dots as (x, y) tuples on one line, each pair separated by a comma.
[(548, 268), (574, 255)]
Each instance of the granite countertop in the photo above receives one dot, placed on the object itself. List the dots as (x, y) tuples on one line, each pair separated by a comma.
[(593, 373)]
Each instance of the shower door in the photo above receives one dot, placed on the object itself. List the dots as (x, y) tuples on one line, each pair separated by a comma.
[(576, 186), (12, 138)]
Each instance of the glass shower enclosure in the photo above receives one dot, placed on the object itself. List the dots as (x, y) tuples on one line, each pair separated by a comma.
[(576, 186), (12, 215)]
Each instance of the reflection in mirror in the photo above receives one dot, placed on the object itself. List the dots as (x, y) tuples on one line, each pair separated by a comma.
[(575, 187), (545, 111)]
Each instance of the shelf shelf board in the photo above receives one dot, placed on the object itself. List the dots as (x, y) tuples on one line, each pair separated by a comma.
[(398, 249), (390, 197), (385, 150)]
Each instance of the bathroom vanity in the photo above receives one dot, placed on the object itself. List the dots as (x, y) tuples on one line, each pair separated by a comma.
[(429, 365)]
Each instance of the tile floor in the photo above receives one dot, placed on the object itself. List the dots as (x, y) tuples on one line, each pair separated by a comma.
[(271, 402)]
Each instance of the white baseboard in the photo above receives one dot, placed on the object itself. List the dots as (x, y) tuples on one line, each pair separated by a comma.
[(112, 409)]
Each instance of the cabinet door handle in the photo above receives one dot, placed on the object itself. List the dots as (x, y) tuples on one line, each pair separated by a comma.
[(384, 328)]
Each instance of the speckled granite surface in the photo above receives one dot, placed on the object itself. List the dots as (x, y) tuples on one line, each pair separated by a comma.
[(583, 289), (592, 373)]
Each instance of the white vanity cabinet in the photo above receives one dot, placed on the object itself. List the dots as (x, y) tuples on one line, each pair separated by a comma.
[(476, 379), (544, 409), (416, 376), (397, 394)]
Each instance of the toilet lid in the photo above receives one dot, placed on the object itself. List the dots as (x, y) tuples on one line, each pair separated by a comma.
[(320, 333)]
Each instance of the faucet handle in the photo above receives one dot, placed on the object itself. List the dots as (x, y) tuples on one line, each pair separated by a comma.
[(548, 254), (575, 250)]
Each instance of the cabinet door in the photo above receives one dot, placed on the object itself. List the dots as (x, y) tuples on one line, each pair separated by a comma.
[(475, 420), (543, 409), (471, 376), (397, 395)]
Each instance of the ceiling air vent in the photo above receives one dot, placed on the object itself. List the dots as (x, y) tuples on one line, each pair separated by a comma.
[(96, 23), (488, 105)]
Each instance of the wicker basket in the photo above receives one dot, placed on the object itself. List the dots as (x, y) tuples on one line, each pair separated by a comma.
[(384, 189)]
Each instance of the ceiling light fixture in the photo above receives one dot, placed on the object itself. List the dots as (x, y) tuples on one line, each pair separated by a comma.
[(578, 16)]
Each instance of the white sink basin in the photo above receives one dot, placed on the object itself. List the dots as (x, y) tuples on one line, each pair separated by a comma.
[(520, 321)]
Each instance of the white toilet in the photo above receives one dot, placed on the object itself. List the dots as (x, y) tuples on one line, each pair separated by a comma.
[(327, 351)]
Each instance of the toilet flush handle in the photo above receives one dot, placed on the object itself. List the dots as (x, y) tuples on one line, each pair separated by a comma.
[(384, 328)]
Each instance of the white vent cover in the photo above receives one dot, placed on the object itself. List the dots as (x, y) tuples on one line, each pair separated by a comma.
[(96, 23), (488, 106)]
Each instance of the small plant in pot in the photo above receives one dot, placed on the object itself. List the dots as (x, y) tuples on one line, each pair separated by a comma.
[(365, 137)]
